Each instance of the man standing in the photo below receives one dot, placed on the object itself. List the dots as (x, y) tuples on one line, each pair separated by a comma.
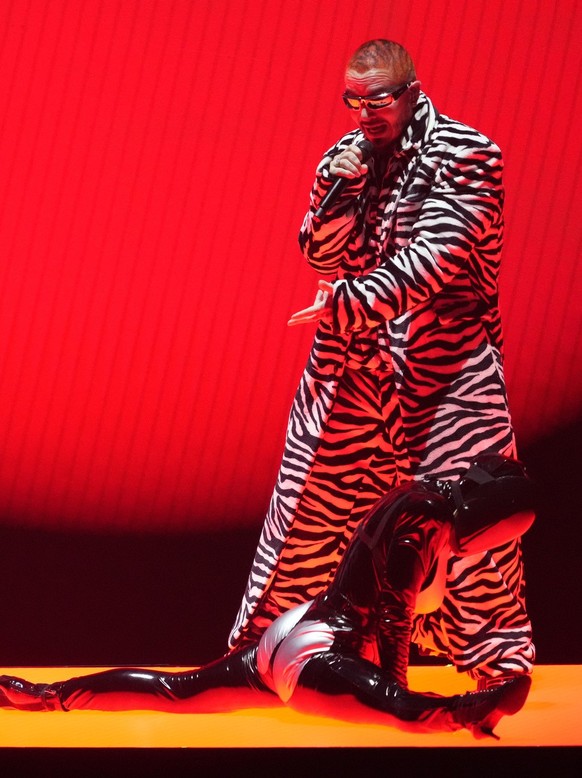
[(405, 376)]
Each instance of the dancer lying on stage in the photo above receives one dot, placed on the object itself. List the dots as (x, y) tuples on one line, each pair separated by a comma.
[(345, 654)]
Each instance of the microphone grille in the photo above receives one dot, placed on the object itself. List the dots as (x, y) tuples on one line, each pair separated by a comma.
[(367, 148)]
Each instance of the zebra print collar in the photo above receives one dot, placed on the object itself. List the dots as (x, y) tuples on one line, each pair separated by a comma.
[(421, 127)]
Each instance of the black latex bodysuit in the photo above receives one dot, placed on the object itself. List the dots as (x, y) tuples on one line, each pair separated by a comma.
[(364, 617), (352, 640), (393, 556)]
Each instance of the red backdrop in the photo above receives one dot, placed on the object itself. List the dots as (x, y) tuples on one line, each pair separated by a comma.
[(156, 158)]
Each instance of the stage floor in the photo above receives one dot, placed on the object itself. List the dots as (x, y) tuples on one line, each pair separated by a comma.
[(552, 717)]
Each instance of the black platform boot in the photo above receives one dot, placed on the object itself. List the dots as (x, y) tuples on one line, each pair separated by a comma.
[(479, 711), (473, 712), (22, 695)]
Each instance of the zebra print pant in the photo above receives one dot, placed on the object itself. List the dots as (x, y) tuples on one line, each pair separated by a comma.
[(361, 452)]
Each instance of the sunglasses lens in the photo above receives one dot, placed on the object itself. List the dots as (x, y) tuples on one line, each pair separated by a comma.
[(383, 103), (355, 103), (375, 103), (352, 102)]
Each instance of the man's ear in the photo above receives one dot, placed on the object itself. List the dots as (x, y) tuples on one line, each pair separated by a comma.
[(414, 91)]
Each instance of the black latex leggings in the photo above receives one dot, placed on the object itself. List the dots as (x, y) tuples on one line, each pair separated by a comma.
[(367, 696), (232, 683), (331, 684), (229, 683)]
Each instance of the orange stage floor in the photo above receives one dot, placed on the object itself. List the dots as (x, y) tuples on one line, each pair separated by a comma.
[(543, 739), (552, 716)]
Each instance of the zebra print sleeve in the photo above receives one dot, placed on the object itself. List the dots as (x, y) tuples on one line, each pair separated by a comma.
[(324, 244), (464, 204)]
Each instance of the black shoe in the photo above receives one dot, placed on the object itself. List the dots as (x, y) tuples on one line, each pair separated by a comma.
[(22, 695), (480, 711)]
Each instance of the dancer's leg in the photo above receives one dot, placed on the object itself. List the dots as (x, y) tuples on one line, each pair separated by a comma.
[(352, 689), (229, 683), (412, 551)]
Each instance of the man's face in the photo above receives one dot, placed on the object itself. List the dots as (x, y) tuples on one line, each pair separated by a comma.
[(382, 126)]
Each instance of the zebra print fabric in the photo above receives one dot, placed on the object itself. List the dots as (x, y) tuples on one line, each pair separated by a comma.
[(414, 249)]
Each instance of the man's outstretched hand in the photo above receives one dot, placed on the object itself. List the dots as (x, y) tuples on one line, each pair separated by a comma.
[(321, 308)]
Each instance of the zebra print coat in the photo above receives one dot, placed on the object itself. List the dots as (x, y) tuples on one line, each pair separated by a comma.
[(421, 273), (415, 254)]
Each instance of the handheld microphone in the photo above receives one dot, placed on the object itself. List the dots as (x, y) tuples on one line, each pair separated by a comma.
[(341, 182)]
